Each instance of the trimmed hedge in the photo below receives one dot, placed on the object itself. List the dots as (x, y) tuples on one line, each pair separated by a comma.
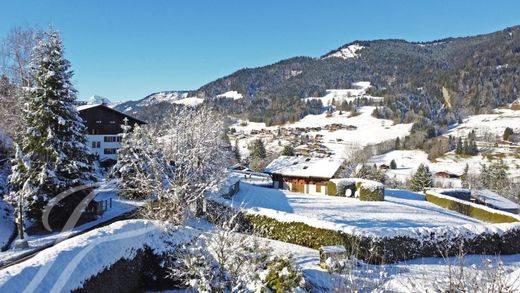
[(331, 188), (372, 249), (372, 193), (469, 209)]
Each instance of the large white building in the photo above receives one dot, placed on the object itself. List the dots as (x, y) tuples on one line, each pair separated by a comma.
[(104, 130)]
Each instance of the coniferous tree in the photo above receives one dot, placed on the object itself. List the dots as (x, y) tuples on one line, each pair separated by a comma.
[(393, 165), (258, 150), (459, 150), (397, 143), (422, 179), (464, 178), (138, 156), (507, 133), (236, 151), (54, 145), (288, 150), (466, 149)]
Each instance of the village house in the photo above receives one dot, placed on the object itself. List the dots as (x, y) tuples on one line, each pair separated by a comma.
[(104, 132), (303, 174)]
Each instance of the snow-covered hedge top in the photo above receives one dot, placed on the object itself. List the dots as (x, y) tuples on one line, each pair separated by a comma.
[(367, 184), (223, 187), (435, 192), (67, 265), (333, 249)]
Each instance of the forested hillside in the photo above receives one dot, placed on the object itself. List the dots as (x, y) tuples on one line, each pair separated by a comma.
[(437, 81)]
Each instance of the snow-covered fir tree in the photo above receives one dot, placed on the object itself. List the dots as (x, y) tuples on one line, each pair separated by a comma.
[(422, 179), (258, 150), (54, 148), (140, 164)]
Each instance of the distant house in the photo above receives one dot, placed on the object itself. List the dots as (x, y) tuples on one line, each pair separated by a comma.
[(303, 174), (447, 174), (104, 132)]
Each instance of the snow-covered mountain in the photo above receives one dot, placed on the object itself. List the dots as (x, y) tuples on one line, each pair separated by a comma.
[(346, 52), (133, 107), (97, 99)]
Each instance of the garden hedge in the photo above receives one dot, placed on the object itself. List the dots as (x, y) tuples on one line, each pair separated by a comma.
[(369, 191), (469, 209)]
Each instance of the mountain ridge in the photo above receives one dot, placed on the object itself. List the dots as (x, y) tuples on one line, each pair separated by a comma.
[(477, 72)]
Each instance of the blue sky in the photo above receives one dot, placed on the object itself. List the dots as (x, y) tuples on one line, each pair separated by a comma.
[(128, 49)]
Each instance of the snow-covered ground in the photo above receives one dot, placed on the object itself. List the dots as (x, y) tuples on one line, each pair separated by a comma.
[(231, 95), (494, 123), (347, 95), (163, 97), (67, 265), (401, 212), (189, 101), (346, 53), (36, 242), (399, 277), (407, 162), (369, 130)]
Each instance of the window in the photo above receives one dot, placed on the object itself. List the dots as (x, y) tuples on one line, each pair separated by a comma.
[(119, 138), (98, 121), (112, 122), (96, 144), (112, 139), (111, 151)]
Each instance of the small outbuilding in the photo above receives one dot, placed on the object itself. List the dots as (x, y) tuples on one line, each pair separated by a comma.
[(303, 174)]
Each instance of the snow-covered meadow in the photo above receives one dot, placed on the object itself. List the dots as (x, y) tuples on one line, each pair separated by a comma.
[(402, 212), (368, 130)]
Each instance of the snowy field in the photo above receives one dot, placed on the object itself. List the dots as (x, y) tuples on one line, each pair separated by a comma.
[(401, 211), (410, 276), (347, 95), (494, 123), (369, 130)]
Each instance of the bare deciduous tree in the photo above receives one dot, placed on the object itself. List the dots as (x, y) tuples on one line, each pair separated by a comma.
[(15, 56), (15, 53)]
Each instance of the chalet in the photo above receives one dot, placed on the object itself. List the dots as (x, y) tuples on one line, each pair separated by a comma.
[(447, 174), (303, 174), (104, 132)]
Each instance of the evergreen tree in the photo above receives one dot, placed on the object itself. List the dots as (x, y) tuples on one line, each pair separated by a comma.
[(459, 149), (288, 150), (473, 148), (464, 178), (422, 179), (137, 157), (397, 143), (55, 144), (393, 165), (258, 150), (495, 176), (507, 133), (466, 149), (236, 151)]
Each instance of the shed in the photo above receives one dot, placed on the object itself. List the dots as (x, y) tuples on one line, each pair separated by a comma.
[(303, 174)]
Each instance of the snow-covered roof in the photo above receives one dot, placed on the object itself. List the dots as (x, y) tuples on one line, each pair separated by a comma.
[(85, 107), (304, 166), (495, 200)]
